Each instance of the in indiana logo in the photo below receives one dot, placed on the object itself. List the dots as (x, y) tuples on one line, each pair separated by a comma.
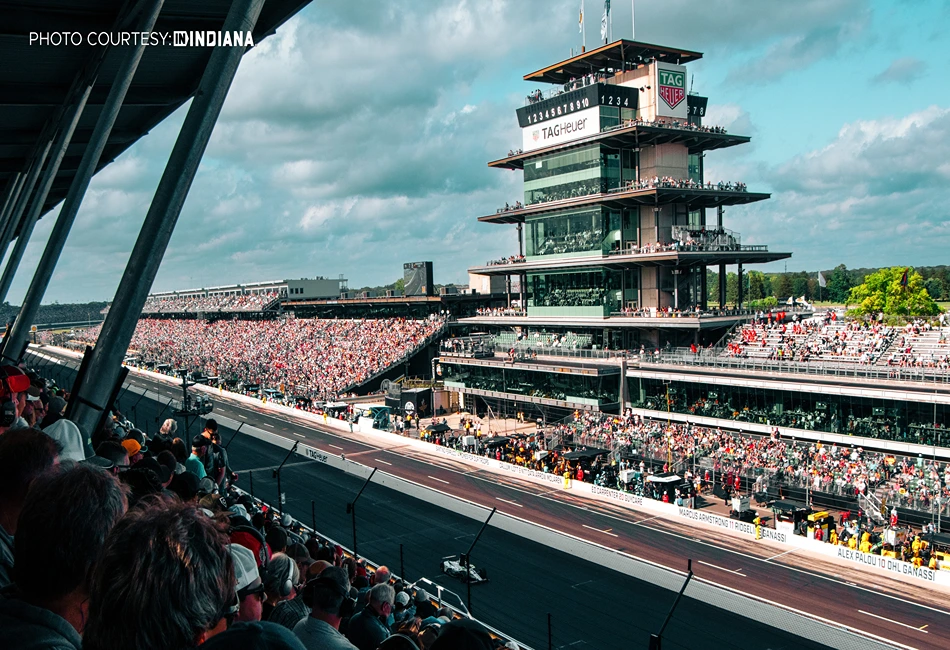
[(536, 134), (672, 86)]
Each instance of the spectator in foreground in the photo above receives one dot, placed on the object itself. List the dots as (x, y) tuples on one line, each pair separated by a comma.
[(369, 627), (326, 593), (248, 584), (199, 450), (66, 517), (24, 455), (165, 581), (254, 636), (281, 577)]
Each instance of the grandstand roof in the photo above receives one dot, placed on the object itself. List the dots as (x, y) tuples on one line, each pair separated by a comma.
[(35, 80), (619, 55)]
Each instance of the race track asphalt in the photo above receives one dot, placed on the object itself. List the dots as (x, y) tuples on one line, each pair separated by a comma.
[(592, 606)]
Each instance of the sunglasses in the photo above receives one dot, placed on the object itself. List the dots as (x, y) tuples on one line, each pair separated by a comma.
[(254, 591)]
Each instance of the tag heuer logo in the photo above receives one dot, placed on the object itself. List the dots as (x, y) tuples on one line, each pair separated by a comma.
[(536, 134), (672, 87)]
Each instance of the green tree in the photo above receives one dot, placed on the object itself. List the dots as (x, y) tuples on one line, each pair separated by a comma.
[(882, 291), (935, 287), (399, 286), (712, 287), (783, 286), (756, 285), (732, 288), (839, 284), (800, 285)]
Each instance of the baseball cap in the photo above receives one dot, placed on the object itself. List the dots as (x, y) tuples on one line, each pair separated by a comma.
[(206, 486), (402, 599), (14, 379), (56, 404), (33, 394), (67, 434), (149, 463), (138, 437), (131, 446), (245, 567), (185, 485)]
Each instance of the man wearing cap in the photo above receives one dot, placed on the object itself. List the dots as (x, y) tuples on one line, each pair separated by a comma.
[(321, 630), (13, 384), (248, 583), (54, 411), (195, 462), (216, 458), (369, 627)]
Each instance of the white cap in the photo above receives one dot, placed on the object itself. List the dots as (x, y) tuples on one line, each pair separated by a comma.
[(67, 434), (245, 566)]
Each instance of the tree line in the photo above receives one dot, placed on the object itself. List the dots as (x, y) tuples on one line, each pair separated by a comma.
[(839, 282)]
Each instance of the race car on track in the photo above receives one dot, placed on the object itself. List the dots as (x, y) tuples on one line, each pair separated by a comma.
[(454, 566)]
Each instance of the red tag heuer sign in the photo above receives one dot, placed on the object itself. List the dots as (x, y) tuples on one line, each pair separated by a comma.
[(672, 86)]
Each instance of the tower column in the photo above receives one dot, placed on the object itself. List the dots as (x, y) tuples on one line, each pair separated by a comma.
[(722, 286), (739, 289)]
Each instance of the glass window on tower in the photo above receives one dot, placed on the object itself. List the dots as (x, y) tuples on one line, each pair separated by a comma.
[(563, 175), (565, 234), (696, 167)]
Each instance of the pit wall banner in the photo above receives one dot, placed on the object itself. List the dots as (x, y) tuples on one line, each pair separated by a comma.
[(569, 127), (876, 564), (669, 88)]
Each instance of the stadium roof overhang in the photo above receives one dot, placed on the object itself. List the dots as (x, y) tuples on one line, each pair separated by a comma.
[(619, 55), (36, 81), (693, 199), (632, 137), (678, 259)]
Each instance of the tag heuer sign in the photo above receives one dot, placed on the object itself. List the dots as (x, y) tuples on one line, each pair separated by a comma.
[(672, 86)]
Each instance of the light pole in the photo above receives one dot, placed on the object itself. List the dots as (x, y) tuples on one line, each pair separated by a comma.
[(351, 510), (468, 561), (280, 494)]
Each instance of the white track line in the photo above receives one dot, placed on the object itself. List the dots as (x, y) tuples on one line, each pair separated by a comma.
[(439, 480), (382, 461), (733, 571), (605, 532), (335, 446), (510, 502), (890, 620)]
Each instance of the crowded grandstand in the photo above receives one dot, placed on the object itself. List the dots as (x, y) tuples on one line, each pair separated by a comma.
[(311, 359)]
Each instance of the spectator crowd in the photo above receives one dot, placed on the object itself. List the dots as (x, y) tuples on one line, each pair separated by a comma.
[(247, 302), (311, 358), (141, 544)]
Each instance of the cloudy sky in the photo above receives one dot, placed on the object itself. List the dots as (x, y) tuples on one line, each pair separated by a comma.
[(356, 139)]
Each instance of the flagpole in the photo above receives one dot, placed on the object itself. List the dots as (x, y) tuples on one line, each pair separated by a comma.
[(633, 19), (583, 31)]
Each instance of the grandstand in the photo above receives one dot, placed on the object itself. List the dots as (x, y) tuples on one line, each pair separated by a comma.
[(300, 359)]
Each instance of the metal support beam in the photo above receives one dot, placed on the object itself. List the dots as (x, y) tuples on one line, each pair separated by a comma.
[(739, 291), (26, 191), (67, 126), (722, 286), (162, 216), (77, 190), (9, 194)]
